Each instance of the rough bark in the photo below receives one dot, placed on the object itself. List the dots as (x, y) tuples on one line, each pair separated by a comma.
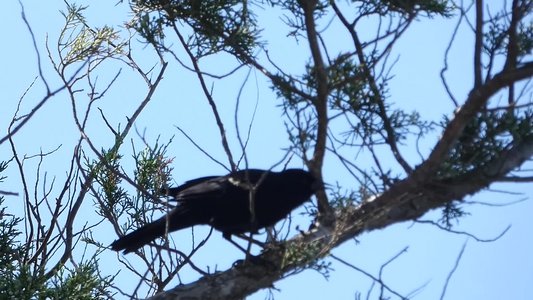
[(407, 199)]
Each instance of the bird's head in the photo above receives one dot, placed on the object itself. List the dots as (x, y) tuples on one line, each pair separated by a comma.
[(305, 178)]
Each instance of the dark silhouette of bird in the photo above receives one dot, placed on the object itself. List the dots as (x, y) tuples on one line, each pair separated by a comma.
[(224, 202)]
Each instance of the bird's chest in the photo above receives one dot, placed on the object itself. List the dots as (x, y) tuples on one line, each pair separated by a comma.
[(249, 213), (233, 215)]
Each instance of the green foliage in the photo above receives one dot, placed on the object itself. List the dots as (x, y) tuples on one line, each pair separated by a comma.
[(106, 173), (80, 283), (451, 212), (484, 138), (341, 199), (407, 7), (15, 279), (363, 104), (3, 167), (223, 25), (151, 174), (79, 42), (496, 37), (152, 168), (23, 276), (294, 14), (308, 256), (525, 39), (352, 94), (21, 281)]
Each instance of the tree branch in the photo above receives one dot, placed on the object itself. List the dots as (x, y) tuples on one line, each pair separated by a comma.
[(390, 135), (478, 44), (405, 200), (477, 98), (321, 105), (209, 98)]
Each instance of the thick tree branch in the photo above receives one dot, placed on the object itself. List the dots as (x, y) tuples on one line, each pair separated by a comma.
[(406, 200), (478, 44), (477, 98), (321, 105)]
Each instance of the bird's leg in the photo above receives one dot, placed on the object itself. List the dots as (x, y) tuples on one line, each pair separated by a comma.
[(271, 235), (253, 259), (249, 257), (249, 246), (227, 236), (253, 220)]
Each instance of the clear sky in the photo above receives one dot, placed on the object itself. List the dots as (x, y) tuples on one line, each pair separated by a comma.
[(498, 270)]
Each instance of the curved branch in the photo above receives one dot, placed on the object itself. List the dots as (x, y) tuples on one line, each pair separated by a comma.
[(86, 184), (378, 98), (320, 103), (477, 98), (209, 98), (405, 200)]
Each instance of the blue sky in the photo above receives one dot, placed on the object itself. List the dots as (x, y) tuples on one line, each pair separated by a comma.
[(497, 270)]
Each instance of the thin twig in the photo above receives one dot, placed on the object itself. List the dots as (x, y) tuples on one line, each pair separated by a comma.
[(378, 280), (452, 271)]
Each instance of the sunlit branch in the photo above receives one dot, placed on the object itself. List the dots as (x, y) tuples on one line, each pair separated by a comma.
[(209, 98)]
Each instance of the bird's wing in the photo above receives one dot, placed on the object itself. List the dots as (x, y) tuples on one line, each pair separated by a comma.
[(173, 192), (209, 188), (215, 185), (205, 188)]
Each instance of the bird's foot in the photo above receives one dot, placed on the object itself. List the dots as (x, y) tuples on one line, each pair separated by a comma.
[(254, 260)]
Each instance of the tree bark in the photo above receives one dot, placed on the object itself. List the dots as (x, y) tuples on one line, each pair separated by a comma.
[(408, 199)]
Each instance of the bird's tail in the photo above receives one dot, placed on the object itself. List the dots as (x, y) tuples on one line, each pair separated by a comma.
[(178, 218), (140, 237)]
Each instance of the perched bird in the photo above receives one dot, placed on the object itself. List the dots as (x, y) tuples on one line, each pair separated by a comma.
[(224, 202)]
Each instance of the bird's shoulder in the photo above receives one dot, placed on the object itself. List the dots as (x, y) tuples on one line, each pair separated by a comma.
[(174, 191), (217, 185), (244, 178), (238, 180)]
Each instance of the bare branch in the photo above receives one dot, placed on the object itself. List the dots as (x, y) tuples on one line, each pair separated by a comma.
[(7, 193), (516, 179), (201, 148), (376, 94), (27, 117), (452, 271), (375, 279), (321, 106), (478, 44), (464, 232), (39, 65), (209, 98)]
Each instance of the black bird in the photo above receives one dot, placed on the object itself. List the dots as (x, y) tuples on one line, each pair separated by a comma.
[(224, 203)]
